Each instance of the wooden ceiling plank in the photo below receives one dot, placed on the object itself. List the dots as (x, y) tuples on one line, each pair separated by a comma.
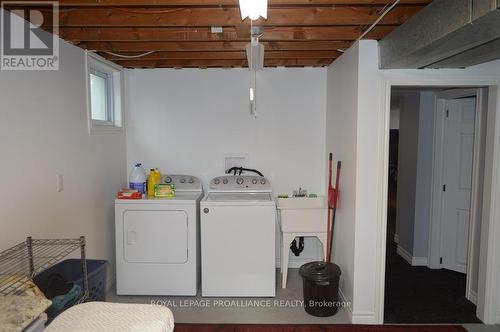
[(224, 3), (339, 33), (211, 46), (176, 63), (316, 16), (224, 55), (297, 33)]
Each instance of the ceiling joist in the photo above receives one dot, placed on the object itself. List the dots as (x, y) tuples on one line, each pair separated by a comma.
[(177, 33), (192, 17), (222, 3), (210, 46), (176, 63), (225, 55), (126, 34)]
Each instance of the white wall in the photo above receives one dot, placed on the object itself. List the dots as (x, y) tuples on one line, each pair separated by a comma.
[(187, 121), (409, 112), (395, 106), (43, 132), (369, 209), (416, 109), (424, 174), (341, 121)]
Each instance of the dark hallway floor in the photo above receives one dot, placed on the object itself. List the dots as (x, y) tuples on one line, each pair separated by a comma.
[(417, 294)]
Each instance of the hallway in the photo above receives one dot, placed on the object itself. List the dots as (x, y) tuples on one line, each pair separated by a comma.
[(417, 294)]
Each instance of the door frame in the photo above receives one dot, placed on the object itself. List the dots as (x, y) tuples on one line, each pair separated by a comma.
[(434, 248), (490, 232)]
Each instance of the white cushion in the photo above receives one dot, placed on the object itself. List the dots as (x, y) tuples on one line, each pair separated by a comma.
[(104, 316)]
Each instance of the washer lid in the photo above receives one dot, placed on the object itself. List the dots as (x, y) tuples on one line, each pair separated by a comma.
[(239, 197), (186, 197)]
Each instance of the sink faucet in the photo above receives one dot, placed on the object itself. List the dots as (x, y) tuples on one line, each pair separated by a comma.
[(300, 193)]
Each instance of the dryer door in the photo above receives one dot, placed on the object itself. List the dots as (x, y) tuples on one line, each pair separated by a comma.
[(159, 237)]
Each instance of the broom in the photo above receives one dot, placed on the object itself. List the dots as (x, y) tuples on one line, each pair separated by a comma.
[(332, 203), (331, 195)]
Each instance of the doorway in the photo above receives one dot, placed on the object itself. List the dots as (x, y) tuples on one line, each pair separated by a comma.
[(433, 208)]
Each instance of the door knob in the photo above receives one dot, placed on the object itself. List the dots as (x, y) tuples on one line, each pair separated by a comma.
[(206, 210)]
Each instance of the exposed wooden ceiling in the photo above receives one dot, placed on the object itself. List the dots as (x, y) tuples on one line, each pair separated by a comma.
[(296, 33)]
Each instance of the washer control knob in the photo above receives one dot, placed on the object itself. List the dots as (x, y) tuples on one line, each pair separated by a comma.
[(239, 180), (254, 181), (225, 181), (191, 180), (206, 210), (183, 180), (263, 181), (167, 179), (216, 181)]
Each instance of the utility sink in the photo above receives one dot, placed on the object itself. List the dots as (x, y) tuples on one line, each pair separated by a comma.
[(302, 214), (301, 203)]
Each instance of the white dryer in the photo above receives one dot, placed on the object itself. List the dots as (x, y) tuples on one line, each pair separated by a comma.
[(156, 241), (238, 232)]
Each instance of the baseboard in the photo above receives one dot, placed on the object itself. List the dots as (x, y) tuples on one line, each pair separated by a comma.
[(396, 238), (419, 261), (348, 308), (405, 254), (414, 261), (363, 318), (473, 296)]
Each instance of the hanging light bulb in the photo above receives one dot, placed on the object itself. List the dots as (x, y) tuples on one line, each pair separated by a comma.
[(253, 9)]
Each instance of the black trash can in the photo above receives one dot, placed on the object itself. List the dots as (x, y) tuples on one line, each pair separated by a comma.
[(321, 288)]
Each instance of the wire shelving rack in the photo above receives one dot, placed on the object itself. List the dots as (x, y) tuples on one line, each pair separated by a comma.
[(22, 262)]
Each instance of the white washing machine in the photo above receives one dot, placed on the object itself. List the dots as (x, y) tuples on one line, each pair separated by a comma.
[(157, 240), (238, 234)]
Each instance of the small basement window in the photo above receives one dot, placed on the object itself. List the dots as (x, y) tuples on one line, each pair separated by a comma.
[(104, 85)]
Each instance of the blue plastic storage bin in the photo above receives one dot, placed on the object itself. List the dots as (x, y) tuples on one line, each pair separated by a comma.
[(71, 270)]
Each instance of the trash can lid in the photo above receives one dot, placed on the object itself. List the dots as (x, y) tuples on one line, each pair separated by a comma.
[(320, 271)]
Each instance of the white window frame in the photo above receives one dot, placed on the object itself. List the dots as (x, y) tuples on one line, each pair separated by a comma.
[(99, 66)]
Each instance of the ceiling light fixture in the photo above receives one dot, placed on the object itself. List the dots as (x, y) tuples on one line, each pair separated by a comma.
[(255, 54), (253, 9)]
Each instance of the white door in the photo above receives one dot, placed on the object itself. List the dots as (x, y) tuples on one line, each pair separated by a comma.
[(158, 237), (238, 250), (457, 182)]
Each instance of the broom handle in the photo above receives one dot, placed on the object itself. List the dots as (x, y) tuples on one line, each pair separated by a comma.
[(337, 176), (335, 198), (328, 224)]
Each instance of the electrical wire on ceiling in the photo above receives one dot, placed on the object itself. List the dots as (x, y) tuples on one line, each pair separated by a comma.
[(148, 11), (126, 56), (384, 11)]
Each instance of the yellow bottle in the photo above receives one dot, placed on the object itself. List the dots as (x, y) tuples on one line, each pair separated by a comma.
[(153, 179)]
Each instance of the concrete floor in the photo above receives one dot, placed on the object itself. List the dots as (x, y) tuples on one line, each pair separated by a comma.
[(285, 308)]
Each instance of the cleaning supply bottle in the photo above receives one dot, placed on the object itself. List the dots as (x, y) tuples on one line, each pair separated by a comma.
[(153, 179), (137, 179)]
